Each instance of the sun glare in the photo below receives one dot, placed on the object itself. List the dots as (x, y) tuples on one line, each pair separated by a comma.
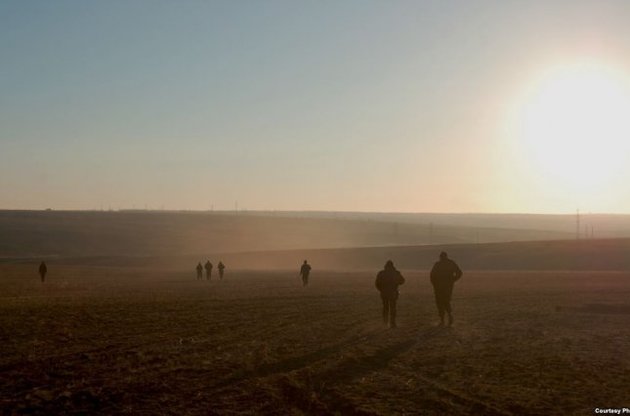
[(573, 126)]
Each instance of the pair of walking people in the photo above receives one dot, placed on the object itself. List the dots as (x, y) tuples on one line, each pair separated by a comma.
[(444, 274)]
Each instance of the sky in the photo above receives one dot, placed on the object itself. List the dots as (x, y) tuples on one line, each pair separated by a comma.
[(419, 106)]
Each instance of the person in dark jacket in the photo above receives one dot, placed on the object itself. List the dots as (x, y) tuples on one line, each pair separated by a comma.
[(221, 268), (199, 271), (42, 271), (444, 274), (208, 267), (305, 270), (387, 282)]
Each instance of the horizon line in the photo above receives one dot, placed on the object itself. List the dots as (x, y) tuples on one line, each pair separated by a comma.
[(315, 211)]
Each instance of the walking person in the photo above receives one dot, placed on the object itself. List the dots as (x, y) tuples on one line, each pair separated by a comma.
[(221, 268), (387, 282), (199, 271), (444, 274), (208, 267), (42, 271), (305, 270)]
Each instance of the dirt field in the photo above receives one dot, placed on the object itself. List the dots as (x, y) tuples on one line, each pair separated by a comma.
[(137, 341)]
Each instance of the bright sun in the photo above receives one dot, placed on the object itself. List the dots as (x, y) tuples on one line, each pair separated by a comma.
[(574, 126)]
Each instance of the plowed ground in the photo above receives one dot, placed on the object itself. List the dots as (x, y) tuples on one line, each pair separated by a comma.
[(140, 341)]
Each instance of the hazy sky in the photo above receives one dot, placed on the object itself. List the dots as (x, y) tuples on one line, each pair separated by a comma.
[(320, 105)]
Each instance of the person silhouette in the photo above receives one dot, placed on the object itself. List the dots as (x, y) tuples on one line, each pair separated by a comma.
[(444, 274), (305, 270), (199, 271), (387, 282), (221, 268), (42, 271), (208, 267)]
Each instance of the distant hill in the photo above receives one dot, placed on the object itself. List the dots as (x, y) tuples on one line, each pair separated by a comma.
[(34, 234), (339, 241), (608, 254), (558, 255), (601, 225)]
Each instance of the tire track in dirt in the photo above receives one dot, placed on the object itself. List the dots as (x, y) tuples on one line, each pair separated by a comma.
[(72, 362), (351, 369), (329, 400), (284, 365), (476, 406), (293, 363), (184, 377)]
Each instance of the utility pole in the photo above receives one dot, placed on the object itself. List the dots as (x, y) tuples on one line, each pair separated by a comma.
[(577, 225)]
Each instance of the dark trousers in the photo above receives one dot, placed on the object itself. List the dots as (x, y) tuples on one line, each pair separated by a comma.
[(443, 295), (43, 276), (208, 274), (389, 309), (305, 279)]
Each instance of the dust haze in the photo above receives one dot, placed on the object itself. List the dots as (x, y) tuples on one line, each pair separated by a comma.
[(121, 324)]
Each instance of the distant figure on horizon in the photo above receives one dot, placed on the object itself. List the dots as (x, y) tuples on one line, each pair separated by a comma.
[(444, 274), (199, 271), (208, 267), (42, 271), (387, 282), (221, 268), (305, 270)]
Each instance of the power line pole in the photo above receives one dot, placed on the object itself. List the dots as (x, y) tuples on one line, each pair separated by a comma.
[(577, 225)]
